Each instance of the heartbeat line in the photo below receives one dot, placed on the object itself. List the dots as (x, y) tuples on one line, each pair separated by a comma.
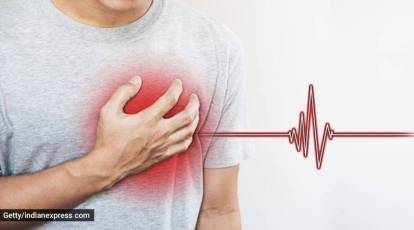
[(308, 122)]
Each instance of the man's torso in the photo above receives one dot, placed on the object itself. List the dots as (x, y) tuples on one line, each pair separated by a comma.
[(55, 74)]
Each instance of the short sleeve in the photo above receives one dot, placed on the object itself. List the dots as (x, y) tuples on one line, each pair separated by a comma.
[(222, 151)]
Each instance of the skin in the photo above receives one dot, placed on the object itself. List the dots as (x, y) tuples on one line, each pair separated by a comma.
[(220, 207), (103, 13), (125, 144)]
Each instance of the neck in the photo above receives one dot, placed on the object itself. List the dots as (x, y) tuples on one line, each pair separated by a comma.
[(95, 13)]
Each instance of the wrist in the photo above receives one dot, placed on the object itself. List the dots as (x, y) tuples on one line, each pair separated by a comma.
[(89, 170)]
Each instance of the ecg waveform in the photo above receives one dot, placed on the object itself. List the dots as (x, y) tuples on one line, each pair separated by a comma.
[(308, 125)]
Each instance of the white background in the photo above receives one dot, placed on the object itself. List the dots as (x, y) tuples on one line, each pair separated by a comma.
[(359, 55)]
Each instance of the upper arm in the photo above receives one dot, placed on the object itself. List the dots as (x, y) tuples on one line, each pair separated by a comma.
[(5, 134), (220, 189)]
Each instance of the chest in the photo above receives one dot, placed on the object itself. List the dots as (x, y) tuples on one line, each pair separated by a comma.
[(53, 99)]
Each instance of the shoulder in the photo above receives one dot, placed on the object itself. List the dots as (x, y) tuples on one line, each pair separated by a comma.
[(14, 14), (10, 4), (204, 26), (12, 10)]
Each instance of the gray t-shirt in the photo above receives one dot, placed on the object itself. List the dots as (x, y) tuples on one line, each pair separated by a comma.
[(55, 74)]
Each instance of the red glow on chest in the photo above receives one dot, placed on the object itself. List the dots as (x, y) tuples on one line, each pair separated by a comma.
[(162, 175), (160, 179)]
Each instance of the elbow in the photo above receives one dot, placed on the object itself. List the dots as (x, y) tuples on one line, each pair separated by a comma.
[(220, 210)]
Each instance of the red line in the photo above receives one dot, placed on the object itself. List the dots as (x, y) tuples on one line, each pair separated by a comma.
[(335, 134), (246, 134), (374, 134), (300, 135)]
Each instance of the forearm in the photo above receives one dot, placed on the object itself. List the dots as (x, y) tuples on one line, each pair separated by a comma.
[(60, 187), (220, 206), (219, 219)]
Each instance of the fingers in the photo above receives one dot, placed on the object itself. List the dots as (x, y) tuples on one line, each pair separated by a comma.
[(178, 127), (167, 101), (124, 93), (177, 142), (185, 117), (177, 148), (182, 134), (170, 151)]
